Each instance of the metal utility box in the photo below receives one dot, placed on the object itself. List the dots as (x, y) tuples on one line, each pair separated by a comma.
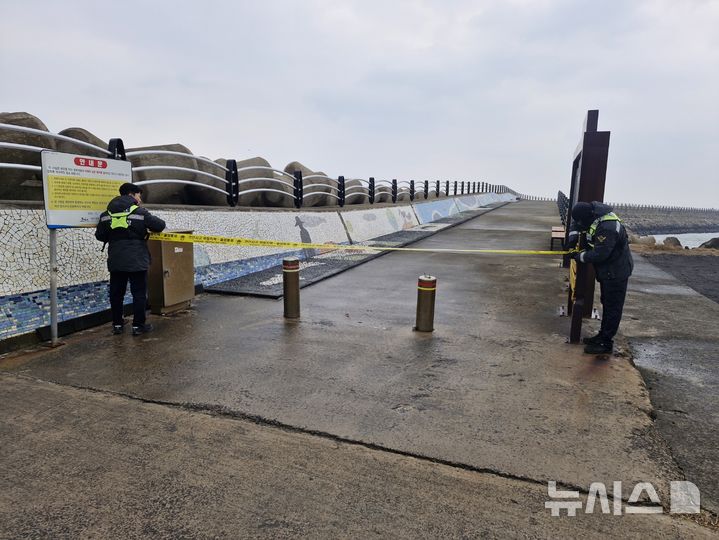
[(171, 278)]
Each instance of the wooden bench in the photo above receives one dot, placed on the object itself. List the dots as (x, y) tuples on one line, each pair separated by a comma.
[(557, 234)]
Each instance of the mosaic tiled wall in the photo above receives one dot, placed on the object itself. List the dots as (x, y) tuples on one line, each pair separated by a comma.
[(470, 202), (319, 227), (373, 222), (83, 275), (432, 211), (24, 243), (24, 251), (25, 255)]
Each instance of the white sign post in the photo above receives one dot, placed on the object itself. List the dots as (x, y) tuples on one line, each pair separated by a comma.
[(77, 190)]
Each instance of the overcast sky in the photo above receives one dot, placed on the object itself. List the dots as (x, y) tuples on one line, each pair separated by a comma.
[(456, 89)]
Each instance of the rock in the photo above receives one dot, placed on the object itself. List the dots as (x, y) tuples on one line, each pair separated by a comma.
[(672, 241), (711, 244), (646, 240), (317, 185), (165, 193), (18, 184), (633, 238)]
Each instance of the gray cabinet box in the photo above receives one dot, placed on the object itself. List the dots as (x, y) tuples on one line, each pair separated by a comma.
[(171, 278)]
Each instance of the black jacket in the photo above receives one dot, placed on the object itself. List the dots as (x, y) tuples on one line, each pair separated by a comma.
[(127, 250), (610, 256)]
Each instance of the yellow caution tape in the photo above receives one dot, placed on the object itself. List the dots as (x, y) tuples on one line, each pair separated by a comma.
[(251, 242)]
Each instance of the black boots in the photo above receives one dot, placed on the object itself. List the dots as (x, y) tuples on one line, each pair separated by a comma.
[(599, 347), (593, 339)]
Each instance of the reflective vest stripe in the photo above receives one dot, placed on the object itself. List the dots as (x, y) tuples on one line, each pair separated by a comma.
[(119, 219), (611, 216)]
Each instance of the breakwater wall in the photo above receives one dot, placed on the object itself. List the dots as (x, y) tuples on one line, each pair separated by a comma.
[(83, 275), (656, 219), (666, 220)]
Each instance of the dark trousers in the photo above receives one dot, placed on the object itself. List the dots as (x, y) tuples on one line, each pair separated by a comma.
[(613, 293), (138, 288)]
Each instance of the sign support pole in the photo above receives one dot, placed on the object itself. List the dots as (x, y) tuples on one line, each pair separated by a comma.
[(76, 190), (53, 288)]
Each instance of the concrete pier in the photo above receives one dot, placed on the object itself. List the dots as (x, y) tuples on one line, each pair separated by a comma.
[(225, 421)]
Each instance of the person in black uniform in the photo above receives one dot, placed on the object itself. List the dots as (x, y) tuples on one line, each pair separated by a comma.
[(125, 225), (608, 250)]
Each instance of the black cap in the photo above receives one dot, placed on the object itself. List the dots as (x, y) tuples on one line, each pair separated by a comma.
[(583, 213), (127, 188)]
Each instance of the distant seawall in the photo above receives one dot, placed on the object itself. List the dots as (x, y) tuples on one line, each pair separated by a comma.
[(653, 219), (658, 220)]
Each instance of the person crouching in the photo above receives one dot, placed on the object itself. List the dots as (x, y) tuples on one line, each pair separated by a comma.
[(609, 253)]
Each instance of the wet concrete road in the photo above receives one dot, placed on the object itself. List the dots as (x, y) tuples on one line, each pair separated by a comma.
[(674, 335), (79, 464), (494, 379), (495, 388)]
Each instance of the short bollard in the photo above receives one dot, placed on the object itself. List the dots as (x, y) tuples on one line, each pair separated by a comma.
[(291, 287), (426, 289)]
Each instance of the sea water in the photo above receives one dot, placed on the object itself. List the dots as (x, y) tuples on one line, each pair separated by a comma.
[(690, 240)]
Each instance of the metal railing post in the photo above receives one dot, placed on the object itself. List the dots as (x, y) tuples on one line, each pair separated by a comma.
[(117, 149), (298, 190), (394, 190), (436, 189), (233, 187), (371, 190), (411, 190), (426, 189), (341, 190)]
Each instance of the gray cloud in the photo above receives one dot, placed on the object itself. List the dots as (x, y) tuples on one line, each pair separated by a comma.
[(492, 90)]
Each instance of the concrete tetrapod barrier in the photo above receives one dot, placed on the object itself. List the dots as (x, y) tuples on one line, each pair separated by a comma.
[(271, 199), (81, 135), (257, 167), (363, 198), (17, 184), (165, 193), (382, 193), (321, 186)]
